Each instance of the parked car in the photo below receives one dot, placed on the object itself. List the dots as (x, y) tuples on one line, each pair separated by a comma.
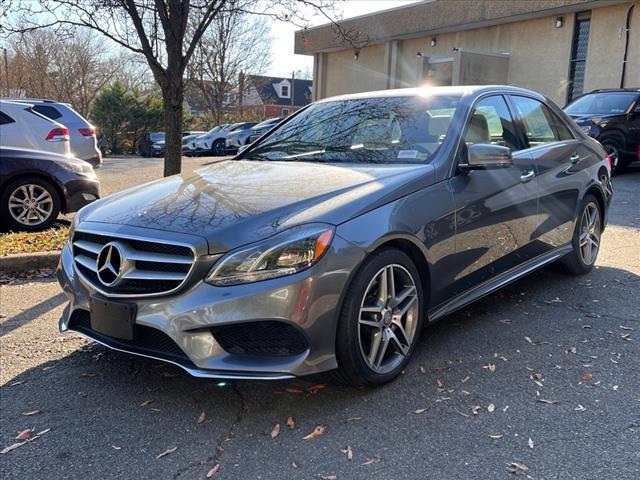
[(214, 142), (330, 242), (35, 186), (188, 142), (82, 135), (239, 137), (189, 133), (151, 144), (611, 116), (263, 127), (23, 127)]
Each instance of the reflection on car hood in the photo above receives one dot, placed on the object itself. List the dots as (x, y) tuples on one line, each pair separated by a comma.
[(236, 202), (585, 118)]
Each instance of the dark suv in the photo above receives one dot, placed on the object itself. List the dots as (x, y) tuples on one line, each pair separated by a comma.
[(612, 117)]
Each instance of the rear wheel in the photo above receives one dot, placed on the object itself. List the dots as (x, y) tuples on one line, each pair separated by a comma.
[(29, 205), (381, 319), (586, 238)]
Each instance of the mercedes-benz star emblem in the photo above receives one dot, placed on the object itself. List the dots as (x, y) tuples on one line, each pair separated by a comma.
[(109, 264)]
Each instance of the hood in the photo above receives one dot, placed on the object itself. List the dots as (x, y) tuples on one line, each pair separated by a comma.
[(593, 118), (236, 202)]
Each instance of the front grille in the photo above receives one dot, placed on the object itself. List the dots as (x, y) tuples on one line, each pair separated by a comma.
[(147, 267), (269, 338), (146, 340)]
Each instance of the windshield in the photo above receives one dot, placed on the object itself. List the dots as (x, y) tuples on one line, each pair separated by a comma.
[(364, 130), (156, 136), (602, 104)]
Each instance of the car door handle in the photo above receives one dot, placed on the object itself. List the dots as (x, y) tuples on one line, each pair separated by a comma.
[(527, 175), (575, 158)]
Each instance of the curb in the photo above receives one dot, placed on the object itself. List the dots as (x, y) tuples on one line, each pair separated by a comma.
[(23, 262)]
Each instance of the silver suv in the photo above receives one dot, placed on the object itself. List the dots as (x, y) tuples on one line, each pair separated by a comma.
[(82, 135)]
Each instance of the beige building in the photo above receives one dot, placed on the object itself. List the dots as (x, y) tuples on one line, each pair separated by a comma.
[(561, 48)]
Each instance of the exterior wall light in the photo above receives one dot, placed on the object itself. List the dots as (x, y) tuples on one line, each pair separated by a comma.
[(559, 22), (356, 54), (434, 41), (419, 54)]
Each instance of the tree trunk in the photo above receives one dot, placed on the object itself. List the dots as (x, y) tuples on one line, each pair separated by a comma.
[(173, 96)]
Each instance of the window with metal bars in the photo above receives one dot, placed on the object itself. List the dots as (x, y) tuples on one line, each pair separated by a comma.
[(579, 50)]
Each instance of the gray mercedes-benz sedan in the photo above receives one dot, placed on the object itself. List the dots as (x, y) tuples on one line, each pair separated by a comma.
[(334, 239)]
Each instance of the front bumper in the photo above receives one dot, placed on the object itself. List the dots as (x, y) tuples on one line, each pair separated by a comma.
[(191, 318), (80, 192)]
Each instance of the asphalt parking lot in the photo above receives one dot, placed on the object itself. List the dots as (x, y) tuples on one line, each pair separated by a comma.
[(540, 380)]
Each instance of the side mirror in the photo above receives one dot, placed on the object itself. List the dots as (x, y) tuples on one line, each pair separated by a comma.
[(487, 156)]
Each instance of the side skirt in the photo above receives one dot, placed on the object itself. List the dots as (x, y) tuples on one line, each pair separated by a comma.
[(496, 283)]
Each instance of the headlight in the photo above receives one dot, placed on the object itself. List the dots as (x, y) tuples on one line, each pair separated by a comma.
[(78, 166), (586, 129), (284, 254)]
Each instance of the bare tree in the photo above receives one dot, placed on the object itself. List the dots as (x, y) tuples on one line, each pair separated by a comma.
[(165, 32), (236, 44)]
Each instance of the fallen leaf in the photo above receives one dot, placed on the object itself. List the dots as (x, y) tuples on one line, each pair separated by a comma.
[(572, 350), (115, 447), (586, 377), (318, 431), (548, 402), (518, 468), (475, 409), (145, 403), (294, 465), (328, 477), (371, 461), (34, 412), (291, 423), (25, 434), (491, 367), (491, 408), (530, 443), (465, 379), (528, 340), (496, 436), (348, 452), (423, 370), (625, 328), (166, 452), (315, 388), (276, 431), (202, 417), (213, 471), (579, 408), (293, 390), (420, 410)]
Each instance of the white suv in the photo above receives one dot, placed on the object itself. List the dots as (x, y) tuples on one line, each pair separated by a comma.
[(22, 127), (82, 135)]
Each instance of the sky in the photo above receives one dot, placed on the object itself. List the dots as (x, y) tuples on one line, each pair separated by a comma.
[(284, 61)]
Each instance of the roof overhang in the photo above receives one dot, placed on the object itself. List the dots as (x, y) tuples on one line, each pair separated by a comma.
[(431, 18)]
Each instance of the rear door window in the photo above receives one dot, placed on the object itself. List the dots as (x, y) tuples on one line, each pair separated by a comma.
[(541, 125), (4, 119), (48, 111)]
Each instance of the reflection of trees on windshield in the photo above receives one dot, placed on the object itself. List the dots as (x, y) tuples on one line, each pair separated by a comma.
[(404, 129)]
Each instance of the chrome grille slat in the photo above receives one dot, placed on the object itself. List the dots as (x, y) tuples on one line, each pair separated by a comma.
[(86, 262), (148, 267)]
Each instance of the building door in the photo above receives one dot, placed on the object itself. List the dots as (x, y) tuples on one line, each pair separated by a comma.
[(579, 50)]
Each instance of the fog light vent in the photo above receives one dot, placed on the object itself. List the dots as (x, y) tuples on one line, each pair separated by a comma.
[(268, 338)]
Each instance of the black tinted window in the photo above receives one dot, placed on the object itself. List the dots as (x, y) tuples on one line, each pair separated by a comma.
[(541, 125), (363, 130), (48, 111), (4, 119)]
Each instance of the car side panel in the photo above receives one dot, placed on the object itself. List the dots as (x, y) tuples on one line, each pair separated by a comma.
[(425, 218)]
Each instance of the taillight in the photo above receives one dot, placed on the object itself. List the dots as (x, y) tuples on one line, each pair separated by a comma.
[(58, 135), (608, 159), (87, 132)]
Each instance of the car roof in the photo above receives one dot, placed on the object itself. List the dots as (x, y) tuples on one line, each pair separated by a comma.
[(614, 90), (11, 103), (425, 91)]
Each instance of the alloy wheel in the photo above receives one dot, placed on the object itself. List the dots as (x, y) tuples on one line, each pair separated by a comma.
[(30, 204), (388, 318), (590, 233)]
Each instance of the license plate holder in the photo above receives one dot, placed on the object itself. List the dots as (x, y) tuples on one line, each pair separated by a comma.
[(114, 319)]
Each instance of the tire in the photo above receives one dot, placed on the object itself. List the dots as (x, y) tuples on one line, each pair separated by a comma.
[(613, 145), (22, 191), (588, 229), (358, 332), (219, 147)]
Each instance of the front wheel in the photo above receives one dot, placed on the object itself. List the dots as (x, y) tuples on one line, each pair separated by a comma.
[(380, 320), (586, 238), (29, 205), (219, 147)]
